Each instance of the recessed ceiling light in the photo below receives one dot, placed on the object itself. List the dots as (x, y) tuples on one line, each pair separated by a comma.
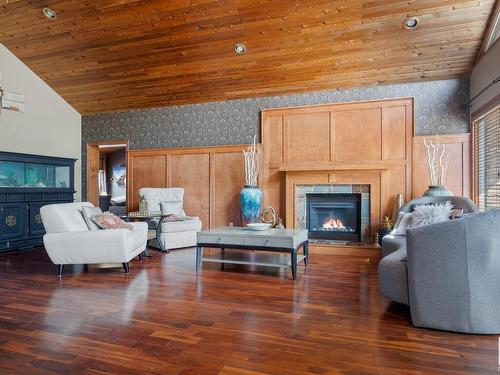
[(410, 23), (240, 48), (49, 13)]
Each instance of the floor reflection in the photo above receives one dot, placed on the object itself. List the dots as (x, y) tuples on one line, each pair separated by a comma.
[(78, 306)]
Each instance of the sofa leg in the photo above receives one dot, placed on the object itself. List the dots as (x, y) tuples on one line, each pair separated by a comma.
[(141, 256), (60, 268), (125, 267)]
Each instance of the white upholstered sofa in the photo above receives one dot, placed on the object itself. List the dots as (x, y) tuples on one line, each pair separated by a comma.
[(174, 234), (68, 239)]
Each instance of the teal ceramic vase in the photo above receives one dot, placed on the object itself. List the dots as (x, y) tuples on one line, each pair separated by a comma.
[(250, 204), (437, 191)]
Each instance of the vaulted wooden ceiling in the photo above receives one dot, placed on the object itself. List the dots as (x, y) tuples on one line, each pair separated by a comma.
[(108, 55)]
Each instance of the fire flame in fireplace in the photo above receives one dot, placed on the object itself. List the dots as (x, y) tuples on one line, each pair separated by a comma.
[(334, 224)]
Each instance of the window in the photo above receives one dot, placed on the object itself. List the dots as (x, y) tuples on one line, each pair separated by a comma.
[(486, 133)]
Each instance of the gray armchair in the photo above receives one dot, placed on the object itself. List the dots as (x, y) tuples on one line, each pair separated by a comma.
[(449, 273), (454, 274), (393, 278)]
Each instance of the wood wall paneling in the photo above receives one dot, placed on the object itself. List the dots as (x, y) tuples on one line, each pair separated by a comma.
[(93, 174), (212, 178), (459, 179), (350, 143), (145, 171), (307, 137), (228, 179), (393, 182), (394, 133), (273, 131), (357, 135), (192, 172), (274, 192)]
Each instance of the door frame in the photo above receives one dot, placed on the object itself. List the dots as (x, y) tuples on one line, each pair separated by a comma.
[(93, 154)]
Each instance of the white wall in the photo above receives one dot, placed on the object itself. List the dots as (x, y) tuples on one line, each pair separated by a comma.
[(49, 125), (487, 69)]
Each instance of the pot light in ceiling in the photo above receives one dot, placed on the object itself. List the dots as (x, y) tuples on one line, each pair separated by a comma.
[(410, 23), (240, 48), (49, 13)]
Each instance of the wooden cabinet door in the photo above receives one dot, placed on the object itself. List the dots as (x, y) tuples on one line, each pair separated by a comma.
[(35, 222), (12, 221)]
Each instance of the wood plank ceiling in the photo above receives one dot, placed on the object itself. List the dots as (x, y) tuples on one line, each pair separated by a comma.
[(110, 55)]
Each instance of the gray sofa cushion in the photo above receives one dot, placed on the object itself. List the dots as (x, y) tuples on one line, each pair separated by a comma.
[(393, 277)]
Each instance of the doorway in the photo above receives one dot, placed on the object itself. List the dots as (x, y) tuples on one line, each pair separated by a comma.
[(107, 176)]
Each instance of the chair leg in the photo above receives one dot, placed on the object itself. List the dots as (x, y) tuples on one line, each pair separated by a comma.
[(125, 267), (141, 256), (60, 268)]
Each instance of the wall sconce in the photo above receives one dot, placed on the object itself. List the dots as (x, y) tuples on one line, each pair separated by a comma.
[(11, 101)]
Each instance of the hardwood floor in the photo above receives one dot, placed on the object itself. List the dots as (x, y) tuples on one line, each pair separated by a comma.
[(163, 319)]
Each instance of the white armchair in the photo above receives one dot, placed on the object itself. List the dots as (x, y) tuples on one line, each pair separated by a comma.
[(176, 234), (68, 239)]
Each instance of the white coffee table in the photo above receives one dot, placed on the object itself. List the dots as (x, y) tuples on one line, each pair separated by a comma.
[(287, 241)]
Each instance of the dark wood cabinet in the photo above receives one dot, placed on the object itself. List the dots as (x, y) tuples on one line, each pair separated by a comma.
[(27, 183)]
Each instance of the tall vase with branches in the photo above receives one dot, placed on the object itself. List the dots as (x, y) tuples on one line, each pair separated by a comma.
[(438, 158), (251, 195)]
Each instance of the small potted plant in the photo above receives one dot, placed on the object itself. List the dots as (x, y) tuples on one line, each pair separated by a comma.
[(387, 227)]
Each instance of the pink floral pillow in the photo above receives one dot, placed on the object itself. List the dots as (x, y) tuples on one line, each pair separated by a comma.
[(110, 221)]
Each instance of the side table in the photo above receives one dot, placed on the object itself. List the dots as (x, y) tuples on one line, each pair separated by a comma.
[(154, 233)]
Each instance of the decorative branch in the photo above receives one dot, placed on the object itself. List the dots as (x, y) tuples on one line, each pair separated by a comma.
[(445, 169), (431, 160), (437, 161), (252, 164)]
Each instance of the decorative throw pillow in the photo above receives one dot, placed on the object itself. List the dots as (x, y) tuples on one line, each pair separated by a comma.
[(430, 214), (110, 221), (404, 219), (171, 208), (88, 212)]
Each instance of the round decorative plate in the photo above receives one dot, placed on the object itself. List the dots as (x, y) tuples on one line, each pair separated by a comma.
[(258, 226)]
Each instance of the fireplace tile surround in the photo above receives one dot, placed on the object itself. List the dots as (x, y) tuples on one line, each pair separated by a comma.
[(301, 204)]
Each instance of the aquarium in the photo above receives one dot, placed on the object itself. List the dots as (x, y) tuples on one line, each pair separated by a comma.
[(12, 174), (33, 175)]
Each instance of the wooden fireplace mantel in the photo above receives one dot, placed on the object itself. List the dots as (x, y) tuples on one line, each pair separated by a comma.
[(339, 167), (368, 143)]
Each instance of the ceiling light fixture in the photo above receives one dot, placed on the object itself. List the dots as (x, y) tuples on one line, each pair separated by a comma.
[(240, 48), (410, 23), (49, 13)]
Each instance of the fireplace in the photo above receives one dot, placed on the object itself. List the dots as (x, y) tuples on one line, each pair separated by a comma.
[(334, 216)]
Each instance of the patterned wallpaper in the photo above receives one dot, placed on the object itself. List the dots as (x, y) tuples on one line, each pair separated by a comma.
[(437, 110)]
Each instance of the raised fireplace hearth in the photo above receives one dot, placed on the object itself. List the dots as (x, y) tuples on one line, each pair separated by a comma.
[(334, 216)]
